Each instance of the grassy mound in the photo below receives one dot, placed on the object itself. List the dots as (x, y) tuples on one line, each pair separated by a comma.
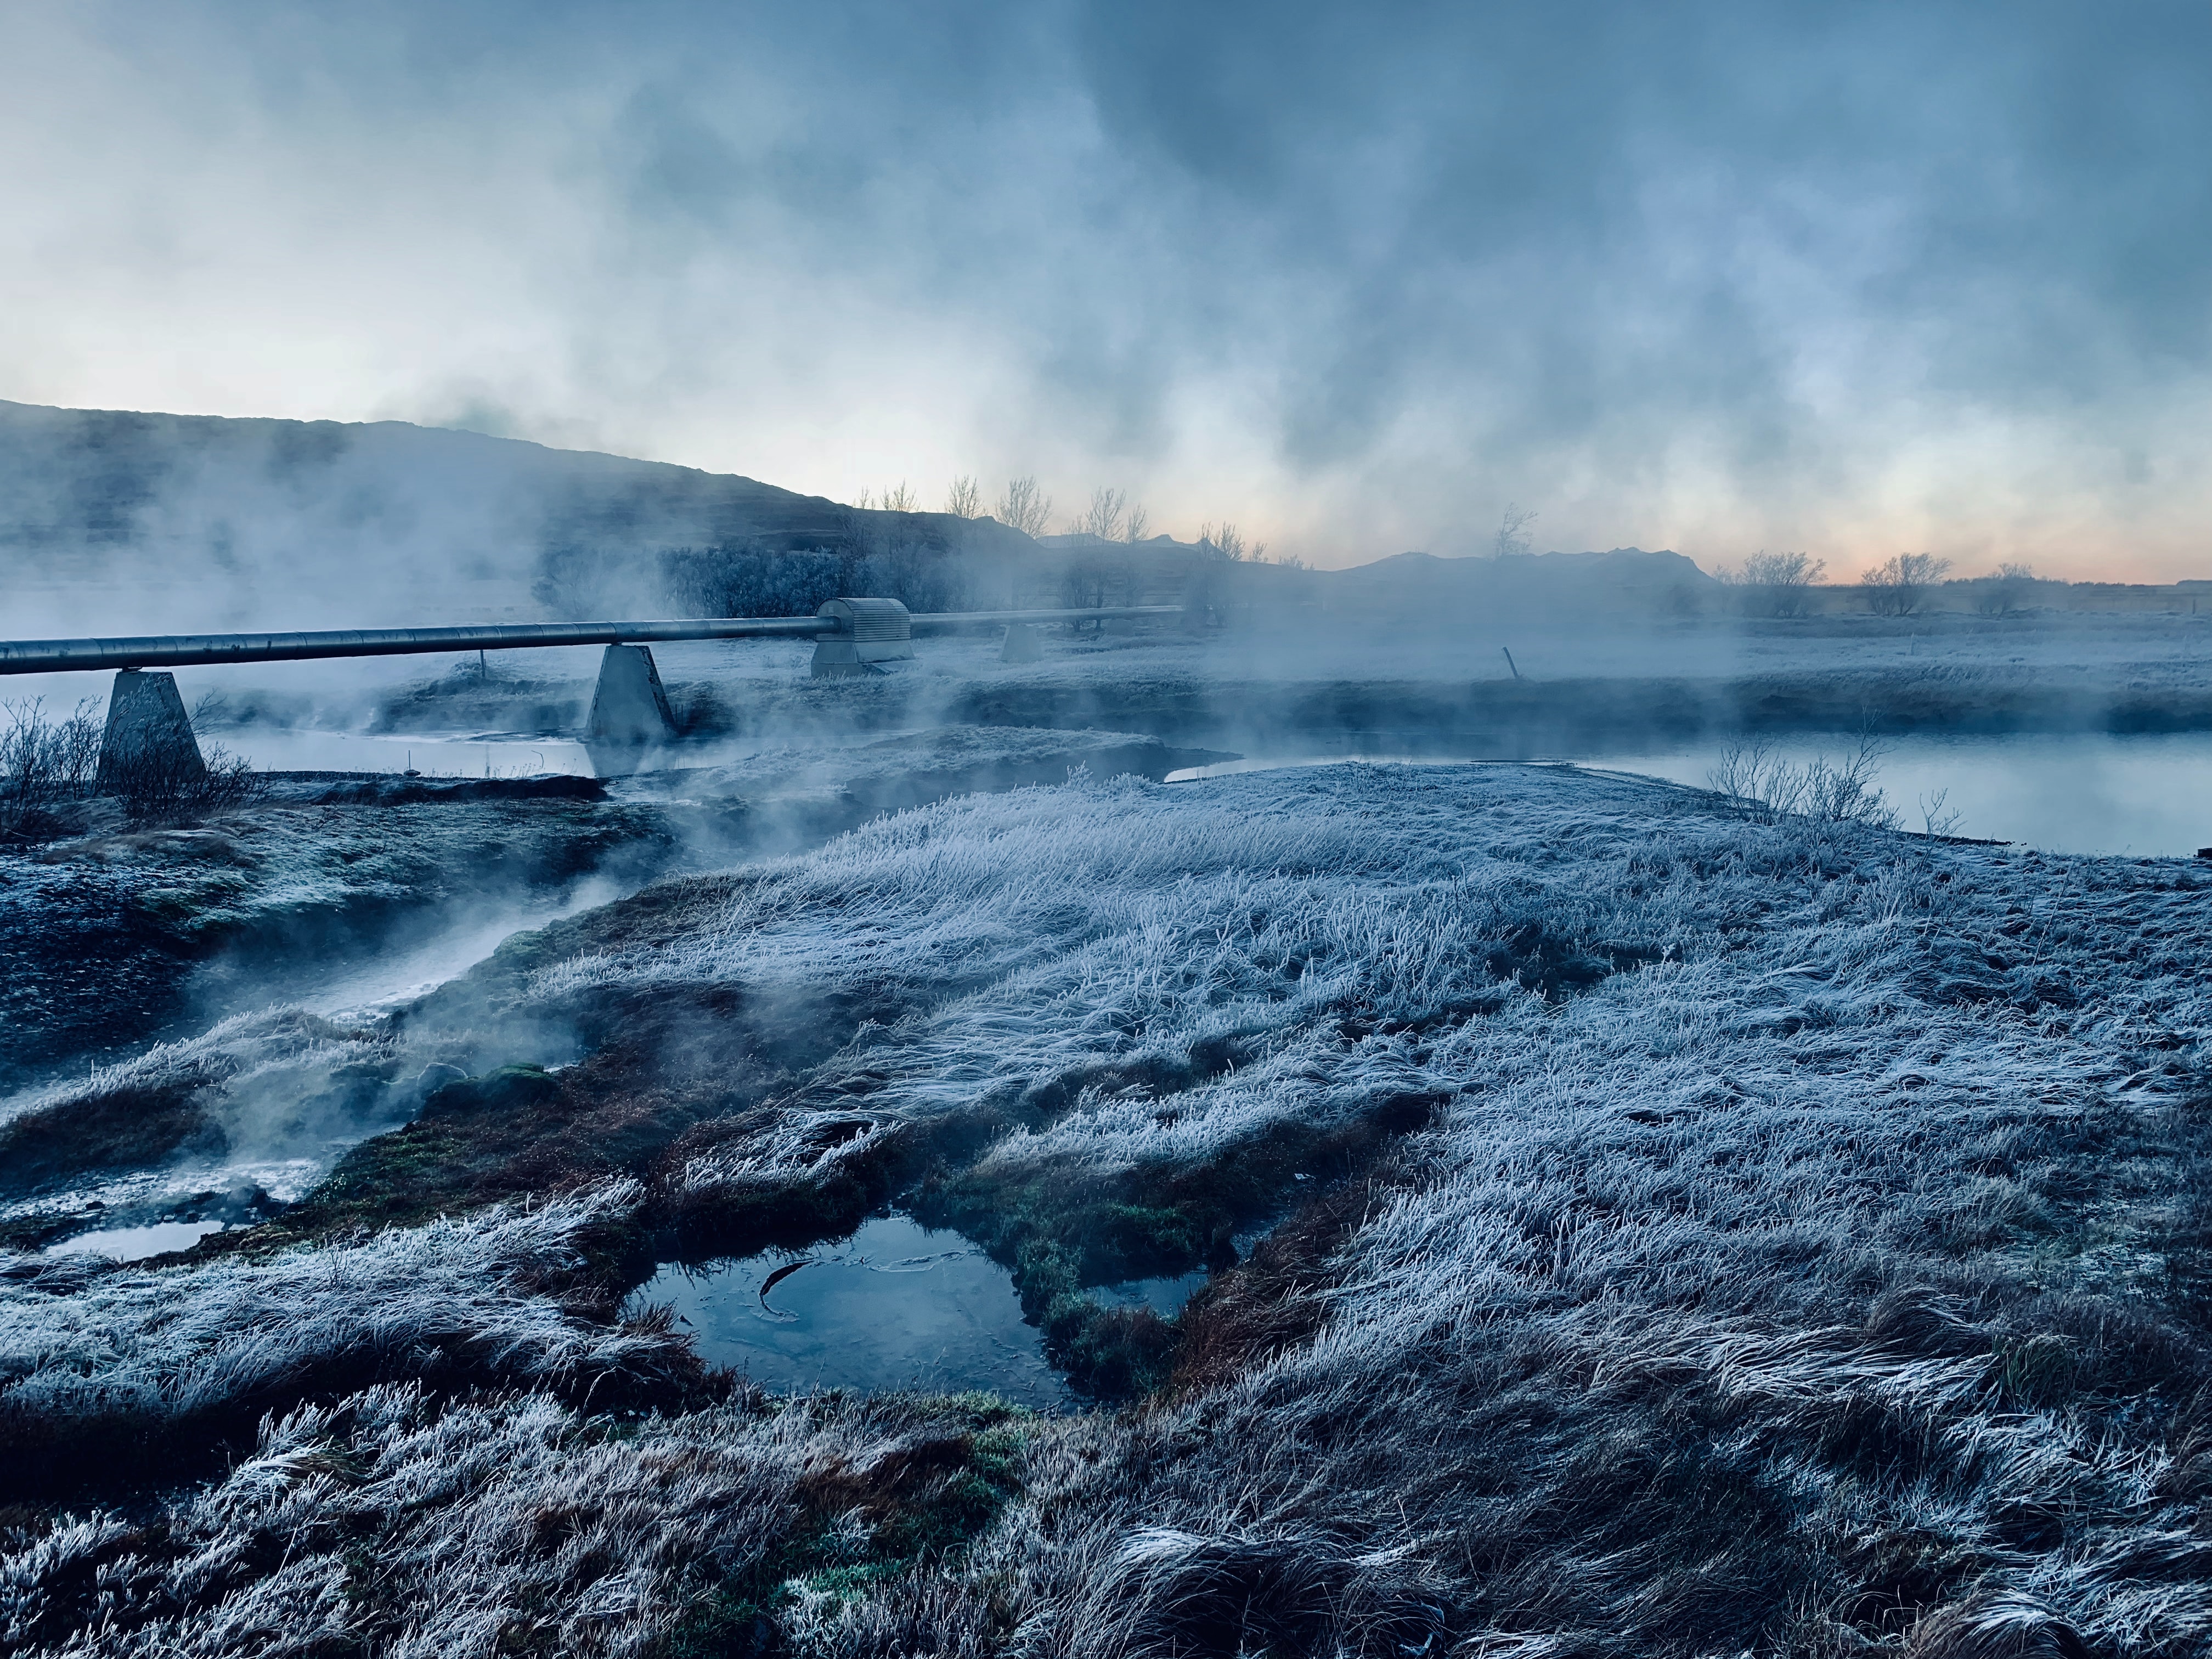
[(1713, 1237)]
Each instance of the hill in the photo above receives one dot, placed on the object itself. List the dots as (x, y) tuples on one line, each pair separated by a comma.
[(184, 522)]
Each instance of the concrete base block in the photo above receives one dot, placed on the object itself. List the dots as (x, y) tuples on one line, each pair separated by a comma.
[(1022, 644), (149, 746), (629, 711), (869, 631)]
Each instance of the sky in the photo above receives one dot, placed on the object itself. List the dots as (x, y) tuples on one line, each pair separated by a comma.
[(1854, 279)]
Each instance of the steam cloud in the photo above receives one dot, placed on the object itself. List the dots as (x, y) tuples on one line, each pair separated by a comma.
[(1710, 276)]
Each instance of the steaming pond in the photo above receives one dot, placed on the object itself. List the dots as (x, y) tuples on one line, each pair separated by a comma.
[(136, 1243), (894, 1306), (2147, 796)]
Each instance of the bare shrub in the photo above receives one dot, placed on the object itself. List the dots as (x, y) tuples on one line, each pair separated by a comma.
[(1513, 537), (963, 500), (1025, 507), (1776, 584), (2004, 593), (1936, 816), (1766, 788), (44, 763), (1138, 521), (1897, 586), (1225, 541), (159, 785)]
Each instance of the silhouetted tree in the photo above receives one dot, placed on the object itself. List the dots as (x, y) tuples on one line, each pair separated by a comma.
[(1025, 507), (1104, 516), (1513, 531), (1896, 586), (1776, 584)]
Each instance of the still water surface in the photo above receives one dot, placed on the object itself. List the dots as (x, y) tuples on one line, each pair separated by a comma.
[(494, 755), (2144, 797), (895, 1306), (136, 1243)]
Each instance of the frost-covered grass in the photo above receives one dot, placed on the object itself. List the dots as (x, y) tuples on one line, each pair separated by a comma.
[(100, 1367), (1795, 1244)]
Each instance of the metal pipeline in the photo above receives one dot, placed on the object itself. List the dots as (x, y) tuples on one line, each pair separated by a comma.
[(189, 650)]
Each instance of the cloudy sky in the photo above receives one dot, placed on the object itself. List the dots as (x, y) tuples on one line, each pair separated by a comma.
[(1854, 278)]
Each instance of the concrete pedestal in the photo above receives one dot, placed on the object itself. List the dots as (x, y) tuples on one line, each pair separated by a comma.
[(629, 711), (148, 746), (1022, 644), (869, 631)]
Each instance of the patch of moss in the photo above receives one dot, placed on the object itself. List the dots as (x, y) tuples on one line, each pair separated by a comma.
[(921, 1506), (1061, 1231)]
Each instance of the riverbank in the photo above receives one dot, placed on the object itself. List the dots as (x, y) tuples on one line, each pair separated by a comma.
[(1508, 691)]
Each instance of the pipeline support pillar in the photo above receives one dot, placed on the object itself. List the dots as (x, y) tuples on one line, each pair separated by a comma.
[(629, 711), (147, 746)]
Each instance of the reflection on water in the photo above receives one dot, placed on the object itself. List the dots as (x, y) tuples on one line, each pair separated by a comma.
[(136, 1244), (2146, 796), (895, 1306), (1164, 1297)]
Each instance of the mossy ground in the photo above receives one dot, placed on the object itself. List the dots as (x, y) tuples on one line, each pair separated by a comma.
[(853, 1534)]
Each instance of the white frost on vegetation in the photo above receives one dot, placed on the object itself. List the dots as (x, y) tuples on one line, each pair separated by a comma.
[(1828, 1279), (147, 1347)]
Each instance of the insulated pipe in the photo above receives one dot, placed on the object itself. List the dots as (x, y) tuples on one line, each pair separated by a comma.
[(188, 650), (954, 622), (191, 650)]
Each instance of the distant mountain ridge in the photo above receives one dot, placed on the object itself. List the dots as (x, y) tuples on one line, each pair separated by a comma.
[(184, 522), (1622, 581), (114, 521)]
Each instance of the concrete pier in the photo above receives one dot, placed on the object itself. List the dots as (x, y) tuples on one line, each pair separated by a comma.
[(629, 711), (1022, 644), (149, 743)]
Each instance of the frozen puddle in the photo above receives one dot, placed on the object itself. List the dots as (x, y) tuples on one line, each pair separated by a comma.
[(136, 1243), (895, 1306)]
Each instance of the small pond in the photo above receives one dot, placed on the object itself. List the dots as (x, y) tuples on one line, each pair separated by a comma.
[(136, 1243), (895, 1306)]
